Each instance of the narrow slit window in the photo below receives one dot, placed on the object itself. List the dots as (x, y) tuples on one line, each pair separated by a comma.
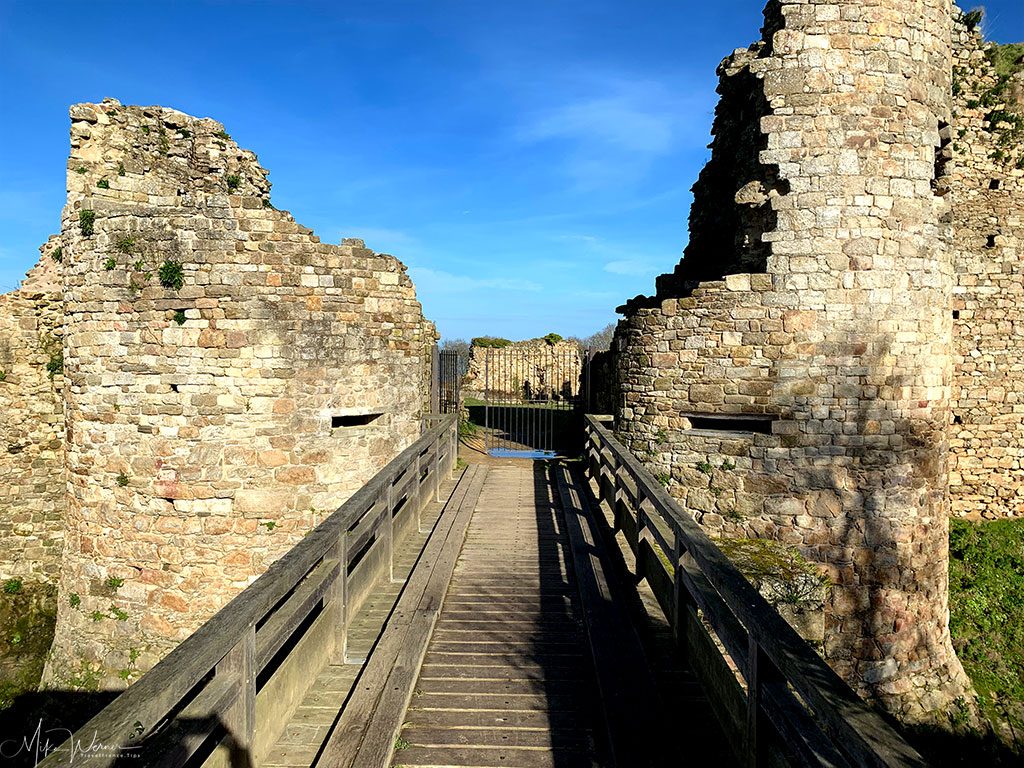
[(990, 241), (354, 420), (730, 423)]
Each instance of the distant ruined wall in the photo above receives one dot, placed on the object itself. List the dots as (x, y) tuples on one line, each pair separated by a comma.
[(229, 381), (32, 479), (986, 185), (803, 394), (533, 369)]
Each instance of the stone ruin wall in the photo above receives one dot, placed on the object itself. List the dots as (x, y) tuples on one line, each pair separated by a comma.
[(32, 482), (835, 356), (986, 183), (208, 426), (533, 369)]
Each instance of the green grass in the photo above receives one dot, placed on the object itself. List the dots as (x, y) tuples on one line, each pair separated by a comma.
[(986, 595), (1007, 59)]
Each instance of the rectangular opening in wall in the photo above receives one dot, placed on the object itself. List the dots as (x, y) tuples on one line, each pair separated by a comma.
[(354, 420), (720, 422)]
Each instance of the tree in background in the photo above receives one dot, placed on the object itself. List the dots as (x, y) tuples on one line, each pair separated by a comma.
[(597, 342), (461, 348)]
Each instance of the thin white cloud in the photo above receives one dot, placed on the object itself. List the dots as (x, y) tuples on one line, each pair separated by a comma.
[(436, 281), (614, 129), (382, 239), (634, 267), (618, 122)]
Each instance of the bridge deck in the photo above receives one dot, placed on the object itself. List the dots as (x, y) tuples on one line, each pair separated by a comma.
[(533, 660), (508, 678)]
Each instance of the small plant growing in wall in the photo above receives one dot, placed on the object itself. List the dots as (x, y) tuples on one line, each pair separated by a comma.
[(120, 169), (97, 616), (179, 316), (12, 586), (223, 135), (58, 254), (125, 244), (704, 467), (74, 600), (664, 478), (86, 220), (103, 184), (172, 275), (727, 466), (110, 263), (661, 437), (55, 365), (80, 169), (269, 525), (122, 480), (114, 583), (234, 181), (184, 133), (145, 129), (973, 18), (117, 614), (3, 375)]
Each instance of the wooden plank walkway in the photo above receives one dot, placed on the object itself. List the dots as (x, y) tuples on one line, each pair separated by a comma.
[(508, 679)]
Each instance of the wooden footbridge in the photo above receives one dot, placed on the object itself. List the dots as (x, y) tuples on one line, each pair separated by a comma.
[(554, 614)]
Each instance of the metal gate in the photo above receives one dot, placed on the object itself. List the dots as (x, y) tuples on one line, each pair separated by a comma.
[(531, 399), (447, 379)]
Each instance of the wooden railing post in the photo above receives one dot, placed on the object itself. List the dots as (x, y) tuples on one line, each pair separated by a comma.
[(389, 528), (338, 597), (240, 718), (436, 470), (681, 600), (643, 520), (760, 671)]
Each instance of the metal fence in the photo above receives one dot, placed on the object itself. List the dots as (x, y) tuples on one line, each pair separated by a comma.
[(531, 399)]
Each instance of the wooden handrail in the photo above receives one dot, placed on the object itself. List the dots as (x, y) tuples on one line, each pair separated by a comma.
[(792, 695), (215, 669)]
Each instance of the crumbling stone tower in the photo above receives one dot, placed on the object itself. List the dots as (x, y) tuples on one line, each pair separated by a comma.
[(802, 346), (229, 380)]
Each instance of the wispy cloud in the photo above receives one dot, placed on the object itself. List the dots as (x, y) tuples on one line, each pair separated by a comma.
[(382, 239), (634, 267), (614, 129), (437, 281)]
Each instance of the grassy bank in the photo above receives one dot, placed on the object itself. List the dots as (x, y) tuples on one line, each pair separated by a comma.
[(986, 599)]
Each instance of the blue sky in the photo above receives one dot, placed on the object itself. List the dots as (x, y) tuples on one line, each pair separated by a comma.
[(530, 161)]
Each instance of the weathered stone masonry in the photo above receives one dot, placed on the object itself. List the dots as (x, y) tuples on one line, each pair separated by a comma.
[(804, 395), (32, 425), (228, 381), (986, 184)]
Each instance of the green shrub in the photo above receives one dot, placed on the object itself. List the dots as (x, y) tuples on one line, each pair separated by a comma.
[(179, 316), (790, 578), (493, 342), (80, 169), (103, 184), (973, 17), (74, 600), (172, 275), (145, 129), (122, 479), (552, 338), (114, 583), (110, 263), (86, 219), (234, 181), (12, 586), (58, 254), (223, 135), (120, 169), (125, 244)]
